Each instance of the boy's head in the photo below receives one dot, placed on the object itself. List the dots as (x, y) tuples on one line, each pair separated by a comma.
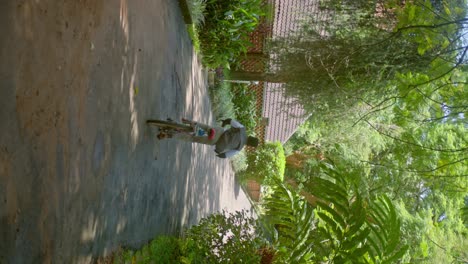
[(252, 141)]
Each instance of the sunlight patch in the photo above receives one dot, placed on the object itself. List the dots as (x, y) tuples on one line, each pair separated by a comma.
[(132, 106), (89, 232)]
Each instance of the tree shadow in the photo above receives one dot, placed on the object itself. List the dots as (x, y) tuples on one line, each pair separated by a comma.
[(77, 160)]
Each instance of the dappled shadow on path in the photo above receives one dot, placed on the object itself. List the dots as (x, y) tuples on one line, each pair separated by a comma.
[(78, 174)]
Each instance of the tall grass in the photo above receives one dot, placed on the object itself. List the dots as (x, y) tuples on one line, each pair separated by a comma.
[(192, 31), (221, 98), (197, 9), (239, 162)]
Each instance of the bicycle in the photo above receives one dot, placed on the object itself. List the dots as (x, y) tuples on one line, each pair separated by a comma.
[(169, 128)]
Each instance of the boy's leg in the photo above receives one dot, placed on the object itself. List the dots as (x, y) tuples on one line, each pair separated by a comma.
[(201, 139), (204, 139), (204, 126), (187, 136), (182, 136)]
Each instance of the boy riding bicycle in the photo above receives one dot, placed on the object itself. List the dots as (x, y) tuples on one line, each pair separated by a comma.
[(227, 142)]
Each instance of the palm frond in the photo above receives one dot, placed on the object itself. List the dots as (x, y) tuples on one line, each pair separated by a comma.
[(385, 231), (292, 218)]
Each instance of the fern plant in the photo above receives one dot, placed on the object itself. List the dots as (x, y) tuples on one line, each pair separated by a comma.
[(464, 214), (340, 227), (384, 239), (289, 221)]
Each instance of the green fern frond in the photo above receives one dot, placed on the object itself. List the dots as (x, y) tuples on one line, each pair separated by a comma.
[(342, 228), (293, 219), (336, 216), (385, 226)]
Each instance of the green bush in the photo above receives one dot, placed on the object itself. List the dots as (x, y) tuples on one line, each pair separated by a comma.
[(245, 106), (239, 162), (224, 238), (231, 100), (219, 238), (225, 32), (266, 163), (163, 250)]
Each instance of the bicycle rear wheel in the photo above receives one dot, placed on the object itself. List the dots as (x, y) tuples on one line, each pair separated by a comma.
[(169, 125)]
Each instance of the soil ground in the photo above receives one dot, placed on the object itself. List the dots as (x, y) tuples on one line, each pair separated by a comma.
[(80, 172)]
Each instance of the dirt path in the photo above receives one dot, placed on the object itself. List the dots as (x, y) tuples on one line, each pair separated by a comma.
[(78, 174)]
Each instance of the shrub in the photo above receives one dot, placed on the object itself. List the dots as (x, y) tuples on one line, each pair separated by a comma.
[(163, 249), (266, 163), (225, 33), (239, 162), (224, 238)]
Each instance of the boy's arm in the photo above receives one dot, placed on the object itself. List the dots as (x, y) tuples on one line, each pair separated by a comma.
[(236, 124), (232, 122), (228, 154)]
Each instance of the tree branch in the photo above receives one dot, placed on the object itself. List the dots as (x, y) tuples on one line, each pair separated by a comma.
[(415, 144), (458, 21), (408, 169), (448, 252)]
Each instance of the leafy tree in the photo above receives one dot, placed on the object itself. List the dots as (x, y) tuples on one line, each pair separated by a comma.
[(390, 106), (413, 116), (435, 235), (464, 212)]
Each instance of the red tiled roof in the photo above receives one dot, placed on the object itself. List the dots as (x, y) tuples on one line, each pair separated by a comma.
[(284, 114), (290, 14)]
